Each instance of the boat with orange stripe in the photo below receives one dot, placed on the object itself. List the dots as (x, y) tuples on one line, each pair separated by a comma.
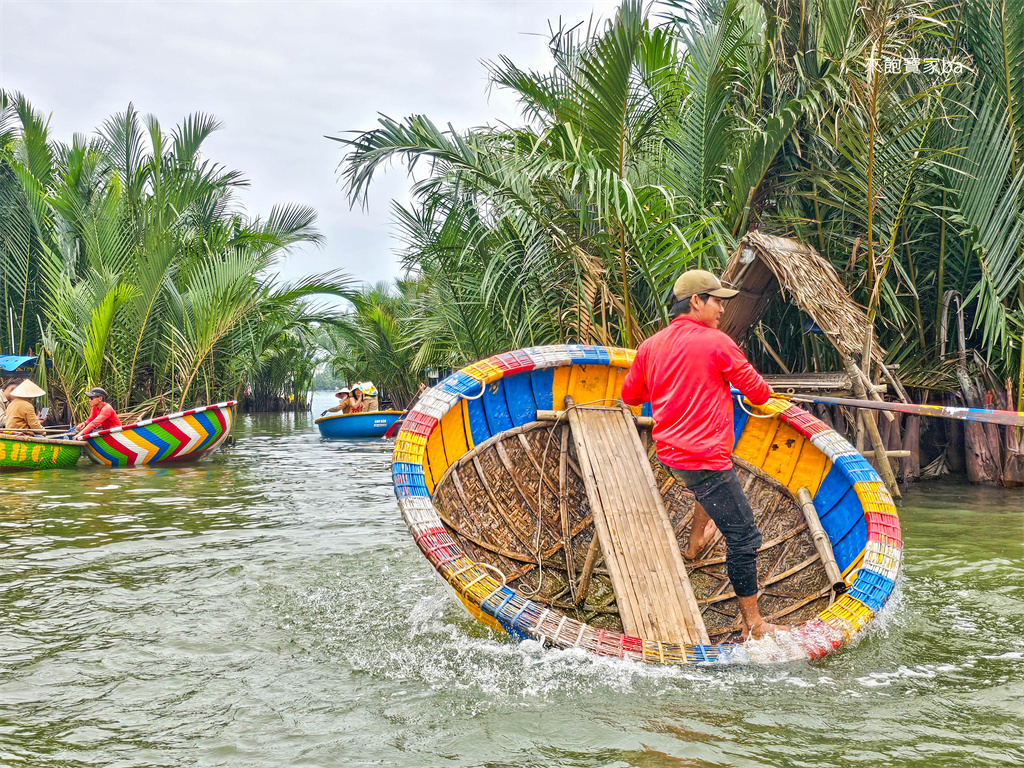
[(175, 437), (496, 488)]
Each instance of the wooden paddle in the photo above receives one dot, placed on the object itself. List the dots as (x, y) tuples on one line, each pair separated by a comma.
[(393, 429)]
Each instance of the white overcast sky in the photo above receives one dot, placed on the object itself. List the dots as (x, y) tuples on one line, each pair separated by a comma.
[(281, 75)]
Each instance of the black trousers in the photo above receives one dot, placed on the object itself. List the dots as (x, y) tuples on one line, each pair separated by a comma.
[(721, 495)]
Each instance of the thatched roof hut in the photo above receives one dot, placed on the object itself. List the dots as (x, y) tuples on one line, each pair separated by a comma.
[(764, 265)]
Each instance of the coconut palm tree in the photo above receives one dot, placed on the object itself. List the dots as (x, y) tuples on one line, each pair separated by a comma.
[(126, 258)]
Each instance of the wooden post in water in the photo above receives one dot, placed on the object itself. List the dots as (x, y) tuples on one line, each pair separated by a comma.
[(868, 421)]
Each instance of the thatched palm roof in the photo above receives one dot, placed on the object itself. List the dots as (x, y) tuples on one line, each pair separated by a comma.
[(764, 264)]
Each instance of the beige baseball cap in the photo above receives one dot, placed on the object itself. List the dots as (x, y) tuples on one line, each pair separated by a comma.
[(695, 281)]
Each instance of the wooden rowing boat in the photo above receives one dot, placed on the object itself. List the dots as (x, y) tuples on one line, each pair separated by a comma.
[(24, 452), (175, 437), (496, 496)]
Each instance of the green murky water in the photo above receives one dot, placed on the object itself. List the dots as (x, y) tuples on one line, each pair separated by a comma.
[(267, 607)]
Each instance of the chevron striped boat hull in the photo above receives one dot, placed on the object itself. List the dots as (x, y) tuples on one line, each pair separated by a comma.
[(177, 437)]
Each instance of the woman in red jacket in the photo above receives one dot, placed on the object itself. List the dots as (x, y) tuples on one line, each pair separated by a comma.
[(103, 415), (685, 371)]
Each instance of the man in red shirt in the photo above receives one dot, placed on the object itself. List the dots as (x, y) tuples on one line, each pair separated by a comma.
[(685, 371), (103, 415)]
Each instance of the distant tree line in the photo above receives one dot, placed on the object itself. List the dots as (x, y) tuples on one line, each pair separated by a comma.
[(126, 260)]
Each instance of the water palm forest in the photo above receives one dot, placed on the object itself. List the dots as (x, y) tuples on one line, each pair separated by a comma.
[(888, 136)]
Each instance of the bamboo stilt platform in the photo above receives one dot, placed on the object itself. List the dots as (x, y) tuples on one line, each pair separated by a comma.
[(655, 598)]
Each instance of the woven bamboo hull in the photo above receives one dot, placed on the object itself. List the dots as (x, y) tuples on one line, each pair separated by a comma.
[(176, 437), (30, 453), (505, 468), (467, 476)]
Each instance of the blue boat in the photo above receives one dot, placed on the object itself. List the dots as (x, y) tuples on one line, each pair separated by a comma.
[(344, 425)]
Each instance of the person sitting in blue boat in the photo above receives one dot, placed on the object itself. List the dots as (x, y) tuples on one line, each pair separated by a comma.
[(103, 415), (343, 402), (357, 402), (370, 402)]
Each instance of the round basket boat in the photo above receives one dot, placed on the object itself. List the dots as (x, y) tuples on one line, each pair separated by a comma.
[(346, 425), (497, 501), (182, 436), (23, 452)]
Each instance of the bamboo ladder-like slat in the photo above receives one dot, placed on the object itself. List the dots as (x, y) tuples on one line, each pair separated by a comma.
[(653, 592)]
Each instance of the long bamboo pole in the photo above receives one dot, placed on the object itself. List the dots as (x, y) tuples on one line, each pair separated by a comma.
[(985, 415)]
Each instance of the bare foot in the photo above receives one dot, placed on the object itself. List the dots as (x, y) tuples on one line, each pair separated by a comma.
[(762, 628), (699, 539)]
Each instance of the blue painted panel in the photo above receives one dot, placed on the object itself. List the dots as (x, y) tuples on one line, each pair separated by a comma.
[(871, 588), (373, 424), (843, 517), (832, 489), (496, 407), (478, 426), (543, 382), (646, 410), (519, 393), (857, 468), (408, 479), (852, 544), (739, 421)]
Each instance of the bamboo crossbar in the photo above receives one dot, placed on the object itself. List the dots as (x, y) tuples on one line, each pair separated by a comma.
[(821, 540), (542, 415)]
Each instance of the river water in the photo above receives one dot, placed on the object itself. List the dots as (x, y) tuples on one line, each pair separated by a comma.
[(267, 607)]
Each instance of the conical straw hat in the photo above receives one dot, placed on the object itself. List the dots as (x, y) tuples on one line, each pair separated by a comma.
[(27, 389)]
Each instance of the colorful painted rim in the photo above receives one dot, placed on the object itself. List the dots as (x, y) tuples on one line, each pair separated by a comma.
[(846, 490), (32, 453), (174, 437)]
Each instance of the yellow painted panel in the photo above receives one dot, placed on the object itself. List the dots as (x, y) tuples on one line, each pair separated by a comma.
[(589, 384), (435, 454), (615, 378), (784, 453), (453, 432), (810, 469), (560, 387), (756, 440), (875, 497)]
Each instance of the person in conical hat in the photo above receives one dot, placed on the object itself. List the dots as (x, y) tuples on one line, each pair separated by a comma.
[(370, 402), (5, 398), (21, 415)]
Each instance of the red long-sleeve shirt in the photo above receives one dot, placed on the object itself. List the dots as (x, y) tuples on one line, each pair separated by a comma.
[(103, 416), (685, 371)]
